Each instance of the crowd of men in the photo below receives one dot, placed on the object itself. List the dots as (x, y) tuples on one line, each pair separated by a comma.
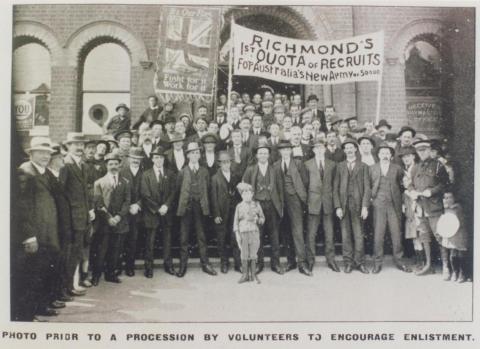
[(81, 205)]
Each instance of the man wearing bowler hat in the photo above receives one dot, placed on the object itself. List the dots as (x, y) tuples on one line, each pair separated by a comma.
[(405, 136), (383, 127), (429, 180), (133, 174), (224, 198), (351, 197), (320, 176), (193, 207), (157, 191), (119, 122), (268, 190), (312, 102), (386, 179), (74, 179), (112, 203), (293, 177), (175, 157), (209, 156)]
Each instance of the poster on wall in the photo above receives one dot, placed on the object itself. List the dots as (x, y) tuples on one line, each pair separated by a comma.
[(24, 106), (187, 53), (424, 114)]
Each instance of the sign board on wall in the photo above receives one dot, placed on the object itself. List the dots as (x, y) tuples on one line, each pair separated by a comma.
[(424, 114), (24, 109)]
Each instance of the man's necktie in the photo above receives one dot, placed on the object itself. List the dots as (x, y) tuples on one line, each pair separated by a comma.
[(284, 168)]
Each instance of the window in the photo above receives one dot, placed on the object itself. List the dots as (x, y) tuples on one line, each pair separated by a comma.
[(105, 84)]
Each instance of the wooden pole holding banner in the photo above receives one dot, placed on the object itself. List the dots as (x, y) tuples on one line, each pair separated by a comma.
[(379, 97), (230, 66)]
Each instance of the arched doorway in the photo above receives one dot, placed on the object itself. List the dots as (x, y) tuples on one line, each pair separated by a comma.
[(105, 68), (277, 20), (428, 83)]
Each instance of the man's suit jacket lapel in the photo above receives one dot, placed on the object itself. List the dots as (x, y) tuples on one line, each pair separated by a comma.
[(75, 169)]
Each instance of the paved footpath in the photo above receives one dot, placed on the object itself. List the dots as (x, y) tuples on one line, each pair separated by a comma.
[(327, 296)]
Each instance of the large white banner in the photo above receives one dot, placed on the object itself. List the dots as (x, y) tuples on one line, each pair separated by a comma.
[(358, 58)]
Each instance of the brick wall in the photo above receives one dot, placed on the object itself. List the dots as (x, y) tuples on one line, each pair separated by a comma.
[(331, 22)]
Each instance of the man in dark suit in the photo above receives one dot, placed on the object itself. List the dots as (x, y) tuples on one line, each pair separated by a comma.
[(175, 158), (208, 158), (193, 207), (74, 179), (351, 197), (157, 137), (224, 198), (300, 151), (133, 175), (221, 117), (333, 151), (38, 259), (239, 153), (268, 190), (169, 130), (273, 142), (386, 179), (312, 102), (321, 173), (151, 113), (112, 203), (157, 191), (293, 177)]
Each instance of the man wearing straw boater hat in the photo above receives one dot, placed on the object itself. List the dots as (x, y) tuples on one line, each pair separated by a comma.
[(36, 265), (74, 179), (386, 180), (157, 191), (193, 207)]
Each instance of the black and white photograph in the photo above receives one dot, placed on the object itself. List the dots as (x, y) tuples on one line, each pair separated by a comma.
[(241, 164)]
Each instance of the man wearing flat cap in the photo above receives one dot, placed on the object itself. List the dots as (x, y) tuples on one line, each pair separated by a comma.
[(351, 197), (386, 179), (429, 180), (209, 156), (157, 191), (119, 122)]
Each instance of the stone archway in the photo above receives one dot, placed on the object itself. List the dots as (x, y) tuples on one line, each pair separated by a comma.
[(29, 31), (279, 20), (109, 30)]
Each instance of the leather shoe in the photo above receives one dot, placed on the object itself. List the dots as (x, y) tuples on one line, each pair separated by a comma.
[(113, 278), (149, 273), (278, 269), (290, 266), (363, 269), (238, 268), (64, 297), (404, 268), (169, 269), (305, 271), (224, 268), (333, 265), (348, 268), (183, 270), (130, 272), (57, 305), (259, 268), (207, 268), (76, 293), (47, 311), (95, 280), (86, 283), (376, 269)]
